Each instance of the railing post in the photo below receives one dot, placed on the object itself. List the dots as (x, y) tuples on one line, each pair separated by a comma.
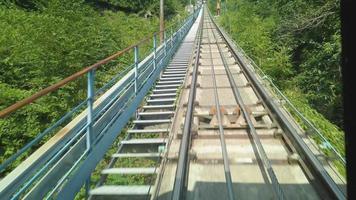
[(136, 68), (90, 100), (89, 134), (165, 43), (154, 51), (171, 37)]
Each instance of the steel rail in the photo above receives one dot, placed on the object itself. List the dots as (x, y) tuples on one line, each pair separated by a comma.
[(221, 129), (181, 172), (301, 147), (267, 164)]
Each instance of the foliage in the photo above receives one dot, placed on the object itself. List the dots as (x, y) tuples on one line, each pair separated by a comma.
[(42, 42), (297, 43)]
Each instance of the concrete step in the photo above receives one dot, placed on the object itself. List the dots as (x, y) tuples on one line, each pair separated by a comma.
[(133, 170)]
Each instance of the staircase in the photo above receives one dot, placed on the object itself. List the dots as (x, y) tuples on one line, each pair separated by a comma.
[(138, 156)]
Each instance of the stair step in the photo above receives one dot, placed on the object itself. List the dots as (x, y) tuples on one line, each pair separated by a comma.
[(169, 82), (148, 131), (136, 155), (183, 61), (177, 67), (158, 106), (132, 170), (172, 75), (168, 86), (183, 72), (156, 113), (163, 101), (155, 121), (172, 79), (164, 91), (163, 95), (121, 190), (144, 141), (175, 70)]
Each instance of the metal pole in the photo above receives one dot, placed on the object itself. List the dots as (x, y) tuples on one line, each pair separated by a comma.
[(161, 21), (90, 93), (171, 37), (89, 134), (136, 68), (154, 51), (165, 43)]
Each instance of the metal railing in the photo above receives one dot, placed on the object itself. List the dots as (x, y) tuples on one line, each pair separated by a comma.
[(50, 170)]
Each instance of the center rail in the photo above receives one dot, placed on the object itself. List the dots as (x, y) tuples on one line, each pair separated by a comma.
[(221, 129), (267, 164)]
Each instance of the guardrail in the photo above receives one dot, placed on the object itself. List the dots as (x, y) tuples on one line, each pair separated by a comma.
[(65, 162)]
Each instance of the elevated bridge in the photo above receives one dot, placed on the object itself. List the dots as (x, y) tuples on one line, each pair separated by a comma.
[(194, 119)]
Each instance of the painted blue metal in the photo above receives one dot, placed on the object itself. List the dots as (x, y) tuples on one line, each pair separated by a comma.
[(154, 51), (42, 170), (136, 67), (68, 164), (90, 91), (40, 136), (113, 80), (73, 185)]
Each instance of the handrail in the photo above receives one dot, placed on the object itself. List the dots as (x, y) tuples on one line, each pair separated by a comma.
[(5, 112), (97, 125)]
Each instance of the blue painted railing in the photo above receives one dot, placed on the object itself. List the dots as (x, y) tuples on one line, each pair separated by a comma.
[(60, 167)]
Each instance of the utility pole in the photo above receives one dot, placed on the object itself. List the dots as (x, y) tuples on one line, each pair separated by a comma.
[(161, 21), (218, 7)]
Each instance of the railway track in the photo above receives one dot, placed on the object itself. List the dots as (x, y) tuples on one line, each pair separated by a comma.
[(235, 146), (206, 130)]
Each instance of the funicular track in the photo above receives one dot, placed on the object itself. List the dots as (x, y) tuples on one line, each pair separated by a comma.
[(235, 145), (206, 130)]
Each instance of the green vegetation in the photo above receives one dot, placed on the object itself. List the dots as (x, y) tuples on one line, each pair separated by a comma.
[(44, 41), (296, 43)]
